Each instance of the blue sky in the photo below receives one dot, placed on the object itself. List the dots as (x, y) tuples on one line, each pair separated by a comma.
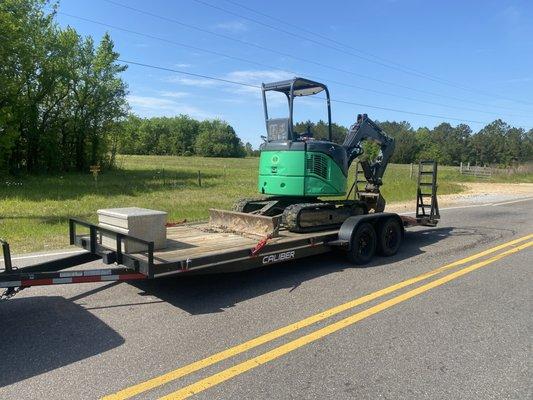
[(483, 50)]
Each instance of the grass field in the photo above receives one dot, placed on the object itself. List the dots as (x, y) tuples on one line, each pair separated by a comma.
[(34, 210)]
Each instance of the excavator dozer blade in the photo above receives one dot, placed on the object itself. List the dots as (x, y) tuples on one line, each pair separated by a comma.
[(253, 224)]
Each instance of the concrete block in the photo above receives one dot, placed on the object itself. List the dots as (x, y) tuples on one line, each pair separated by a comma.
[(139, 222)]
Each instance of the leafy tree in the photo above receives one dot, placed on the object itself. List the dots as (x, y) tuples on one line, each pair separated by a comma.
[(446, 144), (218, 139), (250, 152), (184, 133), (320, 130), (427, 149), (406, 145), (527, 146), (488, 144), (162, 135), (60, 98)]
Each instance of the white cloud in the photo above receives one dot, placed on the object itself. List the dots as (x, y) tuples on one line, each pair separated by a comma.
[(248, 77), (191, 81), (518, 80), (183, 65), (513, 21), (511, 15), (150, 106), (257, 77), (232, 26), (175, 95), (148, 102), (239, 93)]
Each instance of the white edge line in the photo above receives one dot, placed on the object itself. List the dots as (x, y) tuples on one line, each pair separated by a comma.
[(474, 205), (512, 201), (45, 255)]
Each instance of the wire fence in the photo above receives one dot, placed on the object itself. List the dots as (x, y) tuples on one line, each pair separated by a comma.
[(488, 171), (477, 171)]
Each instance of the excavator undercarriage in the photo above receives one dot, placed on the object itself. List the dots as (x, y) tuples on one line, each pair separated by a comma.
[(303, 214)]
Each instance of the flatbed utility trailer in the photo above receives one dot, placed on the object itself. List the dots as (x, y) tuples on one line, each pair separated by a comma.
[(197, 249)]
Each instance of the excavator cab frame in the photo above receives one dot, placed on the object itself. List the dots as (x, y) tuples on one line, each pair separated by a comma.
[(282, 129)]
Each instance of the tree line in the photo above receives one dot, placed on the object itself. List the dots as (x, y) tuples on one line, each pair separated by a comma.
[(61, 97), (497, 143), (180, 136)]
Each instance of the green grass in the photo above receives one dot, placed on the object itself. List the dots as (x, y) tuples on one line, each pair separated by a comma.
[(34, 210)]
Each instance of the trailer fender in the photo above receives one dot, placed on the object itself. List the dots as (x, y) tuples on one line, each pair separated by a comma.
[(350, 225)]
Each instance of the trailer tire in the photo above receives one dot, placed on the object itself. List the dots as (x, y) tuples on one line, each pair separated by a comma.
[(364, 243), (389, 237)]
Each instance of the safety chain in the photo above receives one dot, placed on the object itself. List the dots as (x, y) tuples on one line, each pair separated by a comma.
[(9, 293)]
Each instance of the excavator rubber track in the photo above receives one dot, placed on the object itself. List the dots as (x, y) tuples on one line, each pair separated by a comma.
[(312, 217)]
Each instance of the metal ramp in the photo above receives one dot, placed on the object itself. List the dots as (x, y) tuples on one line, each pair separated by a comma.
[(359, 179), (427, 206), (365, 191)]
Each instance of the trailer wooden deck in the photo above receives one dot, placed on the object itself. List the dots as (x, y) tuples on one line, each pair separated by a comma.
[(196, 240)]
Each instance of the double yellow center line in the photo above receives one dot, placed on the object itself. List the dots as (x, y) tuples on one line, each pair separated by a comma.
[(277, 352)]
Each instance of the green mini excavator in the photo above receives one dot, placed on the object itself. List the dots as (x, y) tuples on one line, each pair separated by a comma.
[(299, 174)]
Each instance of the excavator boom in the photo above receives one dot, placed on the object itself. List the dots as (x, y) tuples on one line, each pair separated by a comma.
[(366, 130)]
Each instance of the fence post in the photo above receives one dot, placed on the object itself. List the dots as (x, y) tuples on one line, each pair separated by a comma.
[(199, 178), (461, 168), (411, 172)]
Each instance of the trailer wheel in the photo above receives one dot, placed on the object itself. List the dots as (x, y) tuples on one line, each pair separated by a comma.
[(363, 244), (389, 237)]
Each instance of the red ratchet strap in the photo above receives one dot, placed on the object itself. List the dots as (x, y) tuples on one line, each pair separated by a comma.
[(175, 223), (259, 246)]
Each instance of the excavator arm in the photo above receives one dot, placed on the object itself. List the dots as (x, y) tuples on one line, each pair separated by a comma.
[(365, 129)]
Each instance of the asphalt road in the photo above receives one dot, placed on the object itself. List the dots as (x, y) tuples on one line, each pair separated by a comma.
[(465, 332)]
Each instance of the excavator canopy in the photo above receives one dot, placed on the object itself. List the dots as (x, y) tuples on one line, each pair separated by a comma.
[(282, 129), (300, 87)]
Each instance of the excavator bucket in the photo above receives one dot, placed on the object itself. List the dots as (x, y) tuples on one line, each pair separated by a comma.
[(253, 224)]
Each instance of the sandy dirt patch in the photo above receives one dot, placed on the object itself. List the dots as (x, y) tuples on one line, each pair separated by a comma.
[(474, 193)]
